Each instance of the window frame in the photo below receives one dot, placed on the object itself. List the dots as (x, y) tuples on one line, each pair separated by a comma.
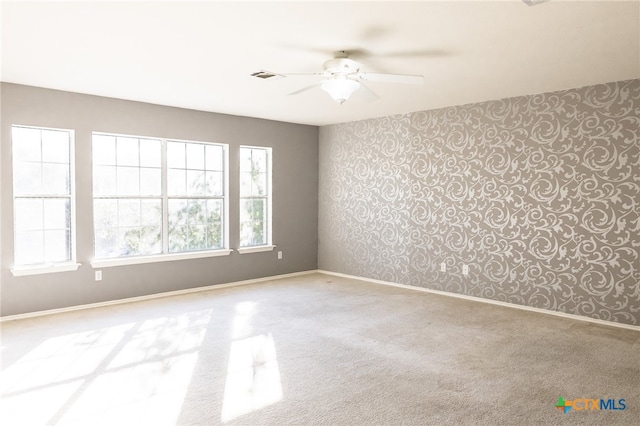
[(165, 254), (224, 198), (44, 267), (123, 197), (268, 246)]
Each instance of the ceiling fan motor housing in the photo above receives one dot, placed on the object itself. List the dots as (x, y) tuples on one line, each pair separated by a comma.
[(343, 66)]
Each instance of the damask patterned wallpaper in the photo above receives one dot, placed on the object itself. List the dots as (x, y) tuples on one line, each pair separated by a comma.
[(539, 195)]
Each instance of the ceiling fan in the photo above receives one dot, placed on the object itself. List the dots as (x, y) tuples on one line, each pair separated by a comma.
[(342, 76)]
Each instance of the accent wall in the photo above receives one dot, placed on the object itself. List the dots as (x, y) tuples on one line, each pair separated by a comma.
[(539, 196)]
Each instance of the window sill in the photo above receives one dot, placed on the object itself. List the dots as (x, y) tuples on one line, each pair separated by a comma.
[(256, 249), (44, 269), (123, 261)]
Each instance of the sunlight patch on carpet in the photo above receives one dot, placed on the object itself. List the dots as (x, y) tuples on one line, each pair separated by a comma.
[(253, 377), (139, 371)]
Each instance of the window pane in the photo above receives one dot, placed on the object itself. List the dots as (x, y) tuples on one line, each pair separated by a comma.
[(252, 234), (178, 238), (245, 159), (55, 179), (195, 182), (214, 223), (26, 144), (246, 209), (246, 234), (214, 183), (259, 160), (195, 212), (259, 184), (150, 181), (28, 214), (175, 155), (55, 146), (253, 215), (104, 150), (29, 247), (259, 235), (151, 213), (177, 182), (177, 213), (58, 214), (214, 236), (128, 181), (214, 155), (214, 210), (106, 242), (105, 214), (150, 240), (128, 213), (245, 184), (129, 241), (259, 210), (27, 178), (195, 224), (104, 180), (127, 152), (197, 237), (139, 241), (150, 152), (56, 246), (180, 213), (195, 156)]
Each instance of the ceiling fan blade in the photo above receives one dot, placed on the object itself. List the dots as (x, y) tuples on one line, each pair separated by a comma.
[(366, 94), (416, 53), (304, 89), (392, 78), (306, 74), (265, 75)]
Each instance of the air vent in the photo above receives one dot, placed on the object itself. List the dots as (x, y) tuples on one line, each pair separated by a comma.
[(265, 75)]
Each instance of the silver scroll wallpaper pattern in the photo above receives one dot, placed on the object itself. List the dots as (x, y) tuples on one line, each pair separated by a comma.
[(539, 195)]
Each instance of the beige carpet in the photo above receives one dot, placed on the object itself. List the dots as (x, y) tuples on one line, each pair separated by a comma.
[(314, 350)]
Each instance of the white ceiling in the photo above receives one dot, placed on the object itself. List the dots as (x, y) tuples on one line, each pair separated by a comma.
[(200, 55)]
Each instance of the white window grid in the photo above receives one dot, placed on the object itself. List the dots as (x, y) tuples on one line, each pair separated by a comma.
[(266, 197), (45, 196), (165, 198)]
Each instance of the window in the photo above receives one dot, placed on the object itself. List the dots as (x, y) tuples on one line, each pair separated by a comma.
[(127, 190), (157, 197), (255, 196), (196, 196), (43, 202)]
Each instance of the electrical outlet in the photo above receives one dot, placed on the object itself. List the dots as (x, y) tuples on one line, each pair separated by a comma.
[(443, 267), (98, 275), (279, 255), (465, 270)]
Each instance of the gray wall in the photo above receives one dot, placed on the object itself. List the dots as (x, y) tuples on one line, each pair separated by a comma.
[(295, 197), (539, 195)]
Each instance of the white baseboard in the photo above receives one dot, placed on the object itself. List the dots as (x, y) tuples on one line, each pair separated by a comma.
[(151, 296), (321, 271), (489, 301)]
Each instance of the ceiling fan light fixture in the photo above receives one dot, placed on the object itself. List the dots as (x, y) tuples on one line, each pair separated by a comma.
[(340, 89)]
